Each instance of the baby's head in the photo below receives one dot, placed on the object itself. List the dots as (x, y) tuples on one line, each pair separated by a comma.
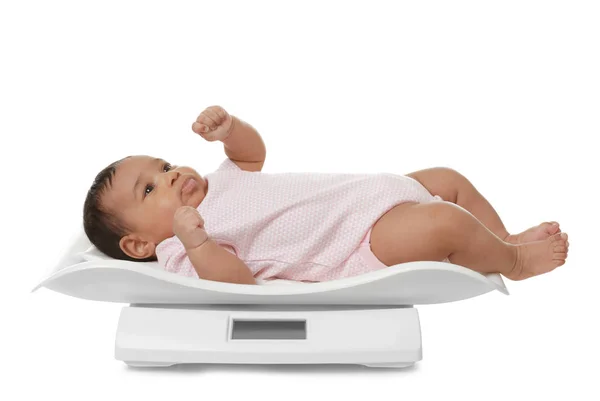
[(130, 206)]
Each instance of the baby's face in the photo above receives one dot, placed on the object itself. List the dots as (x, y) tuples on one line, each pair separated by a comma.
[(146, 192)]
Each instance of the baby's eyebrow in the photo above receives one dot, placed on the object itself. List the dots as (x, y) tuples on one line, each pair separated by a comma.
[(137, 182)]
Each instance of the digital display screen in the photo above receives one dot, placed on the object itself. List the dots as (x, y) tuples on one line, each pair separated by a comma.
[(268, 329)]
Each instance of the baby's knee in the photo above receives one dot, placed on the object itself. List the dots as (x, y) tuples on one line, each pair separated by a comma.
[(450, 174), (446, 219)]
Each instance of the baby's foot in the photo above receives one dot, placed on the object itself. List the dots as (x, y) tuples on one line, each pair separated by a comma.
[(538, 257), (536, 233)]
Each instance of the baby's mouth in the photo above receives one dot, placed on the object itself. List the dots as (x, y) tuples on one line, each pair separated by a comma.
[(189, 184)]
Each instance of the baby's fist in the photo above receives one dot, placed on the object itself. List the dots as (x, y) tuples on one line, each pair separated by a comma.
[(213, 124), (188, 226)]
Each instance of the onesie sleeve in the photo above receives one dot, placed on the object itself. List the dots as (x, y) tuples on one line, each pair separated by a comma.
[(172, 257), (228, 165)]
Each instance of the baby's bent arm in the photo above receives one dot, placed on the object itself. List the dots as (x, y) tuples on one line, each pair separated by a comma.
[(213, 262)]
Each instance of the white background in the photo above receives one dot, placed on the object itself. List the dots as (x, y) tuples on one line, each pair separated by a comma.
[(507, 93)]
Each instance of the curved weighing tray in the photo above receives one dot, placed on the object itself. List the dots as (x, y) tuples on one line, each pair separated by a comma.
[(86, 273)]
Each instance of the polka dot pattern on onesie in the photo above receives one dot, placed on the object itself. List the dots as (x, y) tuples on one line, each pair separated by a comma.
[(294, 226)]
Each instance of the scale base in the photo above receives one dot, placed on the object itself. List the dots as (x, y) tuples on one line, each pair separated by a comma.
[(139, 364), (165, 335)]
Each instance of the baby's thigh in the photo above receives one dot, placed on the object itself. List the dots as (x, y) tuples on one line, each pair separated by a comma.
[(412, 232)]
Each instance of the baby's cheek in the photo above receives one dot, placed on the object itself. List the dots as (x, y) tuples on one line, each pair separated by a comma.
[(167, 205), (165, 213), (164, 223)]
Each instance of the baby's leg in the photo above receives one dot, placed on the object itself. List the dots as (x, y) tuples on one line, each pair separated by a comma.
[(454, 187), (438, 230)]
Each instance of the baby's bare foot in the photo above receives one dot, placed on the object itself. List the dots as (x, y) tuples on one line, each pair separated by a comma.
[(536, 233), (539, 257)]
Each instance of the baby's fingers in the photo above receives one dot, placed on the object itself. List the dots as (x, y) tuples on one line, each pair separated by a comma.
[(182, 212), (188, 216), (207, 119), (197, 218), (211, 113), (200, 128), (220, 112)]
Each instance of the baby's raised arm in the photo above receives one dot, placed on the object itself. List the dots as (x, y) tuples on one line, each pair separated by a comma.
[(241, 142), (210, 260)]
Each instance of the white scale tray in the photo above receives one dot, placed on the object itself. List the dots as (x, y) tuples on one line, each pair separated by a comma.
[(367, 319)]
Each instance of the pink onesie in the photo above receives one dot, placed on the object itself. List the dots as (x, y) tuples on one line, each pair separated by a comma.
[(295, 226)]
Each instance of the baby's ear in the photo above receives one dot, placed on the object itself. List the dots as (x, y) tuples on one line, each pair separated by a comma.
[(136, 247)]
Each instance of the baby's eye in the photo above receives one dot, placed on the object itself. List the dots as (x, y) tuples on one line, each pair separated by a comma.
[(148, 187)]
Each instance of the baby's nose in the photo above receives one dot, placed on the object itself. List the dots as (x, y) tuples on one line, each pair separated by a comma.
[(171, 177)]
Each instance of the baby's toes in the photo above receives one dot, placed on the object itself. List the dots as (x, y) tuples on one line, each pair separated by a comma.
[(560, 247), (558, 239), (552, 227)]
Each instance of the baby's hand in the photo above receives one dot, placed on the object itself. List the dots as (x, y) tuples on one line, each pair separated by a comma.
[(213, 124), (188, 226)]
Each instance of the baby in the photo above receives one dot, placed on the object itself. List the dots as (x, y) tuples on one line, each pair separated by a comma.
[(237, 224)]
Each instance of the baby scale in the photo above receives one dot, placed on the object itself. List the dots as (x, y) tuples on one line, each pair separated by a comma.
[(368, 319)]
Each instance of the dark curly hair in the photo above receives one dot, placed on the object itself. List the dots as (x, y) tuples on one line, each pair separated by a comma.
[(102, 227)]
